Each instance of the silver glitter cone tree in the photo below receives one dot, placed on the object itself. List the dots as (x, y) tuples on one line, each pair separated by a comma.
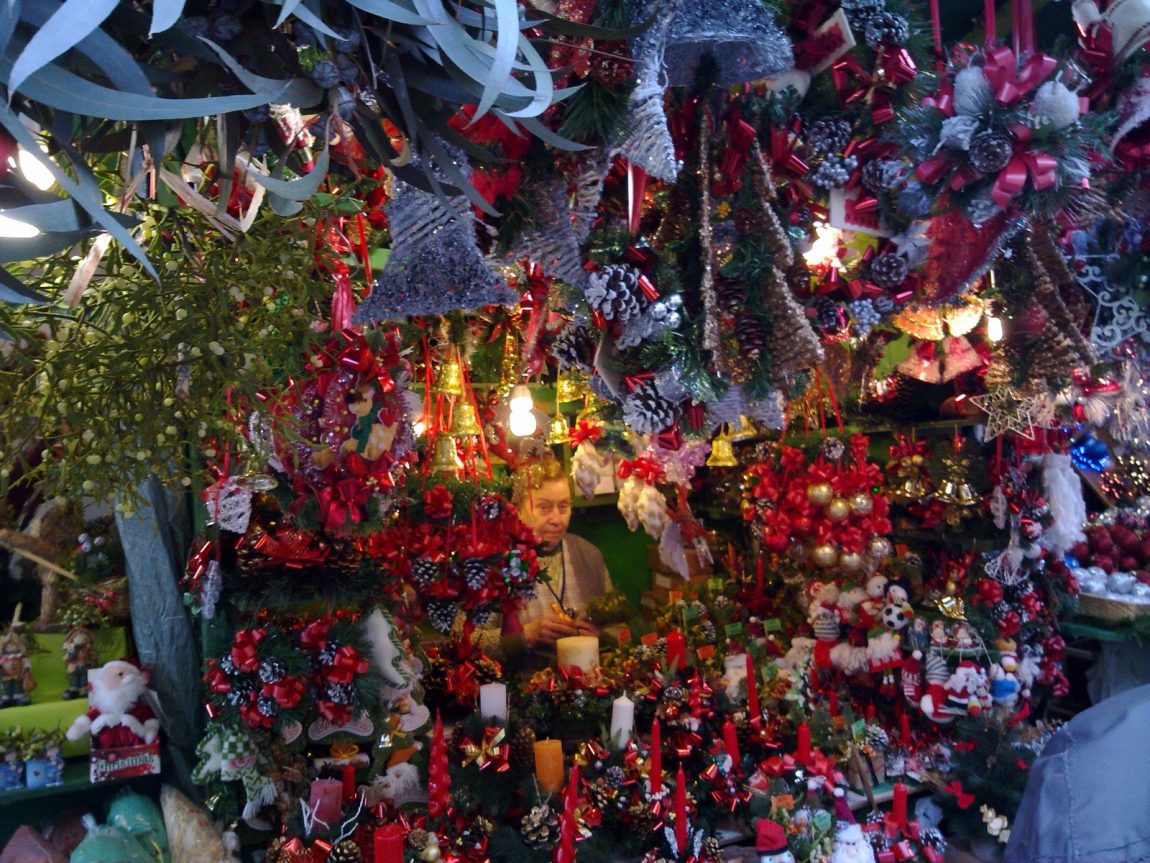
[(645, 137), (550, 237), (741, 35), (435, 266)]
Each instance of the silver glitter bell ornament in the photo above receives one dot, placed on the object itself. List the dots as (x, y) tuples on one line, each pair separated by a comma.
[(741, 35)]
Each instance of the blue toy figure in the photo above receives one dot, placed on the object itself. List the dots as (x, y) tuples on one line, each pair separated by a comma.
[(11, 770), (55, 758)]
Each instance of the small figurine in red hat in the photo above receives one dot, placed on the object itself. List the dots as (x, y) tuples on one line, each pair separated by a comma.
[(771, 842), (120, 713), (850, 844)]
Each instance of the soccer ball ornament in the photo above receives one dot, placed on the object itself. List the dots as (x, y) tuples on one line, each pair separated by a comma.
[(896, 616)]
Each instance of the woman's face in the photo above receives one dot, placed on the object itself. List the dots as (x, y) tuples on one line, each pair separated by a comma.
[(547, 511)]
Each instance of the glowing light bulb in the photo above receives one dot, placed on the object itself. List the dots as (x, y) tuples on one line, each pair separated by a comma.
[(825, 248), (993, 328), (521, 399), (14, 229), (522, 423), (419, 427), (35, 171)]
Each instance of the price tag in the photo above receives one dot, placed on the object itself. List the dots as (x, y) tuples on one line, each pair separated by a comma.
[(715, 583), (691, 612), (772, 624), (858, 728), (733, 629)]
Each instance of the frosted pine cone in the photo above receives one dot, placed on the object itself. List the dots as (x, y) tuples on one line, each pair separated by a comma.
[(882, 175), (574, 348), (828, 135), (888, 270), (615, 293), (888, 28), (647, 412), (989, 152)]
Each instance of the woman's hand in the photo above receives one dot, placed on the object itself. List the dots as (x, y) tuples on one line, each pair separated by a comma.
[(544, 632)]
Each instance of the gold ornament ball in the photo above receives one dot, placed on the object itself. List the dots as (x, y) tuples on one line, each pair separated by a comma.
[(862, 503), (820, 493), (880, 547), (850, 561), (838, 509), (825, 555), (430, 854), (917, 460)]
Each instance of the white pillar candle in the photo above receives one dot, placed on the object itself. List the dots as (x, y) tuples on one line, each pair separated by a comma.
[(735, 672), (622, 720), (493, 701), (578, 651)]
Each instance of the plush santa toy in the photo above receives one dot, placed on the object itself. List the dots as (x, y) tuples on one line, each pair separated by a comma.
[(850, 843), (118, 708), (771, 842)]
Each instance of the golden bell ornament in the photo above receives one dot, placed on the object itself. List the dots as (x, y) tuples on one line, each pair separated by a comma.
[(912, 488), (745, 431), (557, 432), (449, 379), (947, 492), (568, 389), (464, 420), (965, 495), (446, 458), (722, 453)]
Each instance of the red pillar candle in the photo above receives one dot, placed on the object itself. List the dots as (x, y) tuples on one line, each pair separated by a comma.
[(731, 740), (676, 651), (833, 701), (759, 576), (904, 729), (656, 774), (347, 776), (871, 712), (681, 811), (898, 804), (387, 844), (803, 751), (753, 711), (324, 799)]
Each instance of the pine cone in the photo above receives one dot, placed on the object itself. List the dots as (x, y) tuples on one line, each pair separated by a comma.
[(646, 411), (441, 615), (424, 571), (417, 838), (574, 348), (888, 28), (345, 852), (601, 794), (828, 135), (989, 152), (490, 507), (474, 572), (861, 11), (888, 270), (882, 175), (731, 294), (751, 334), (643, 818), (522, 747), (614, 292), (540, 827)]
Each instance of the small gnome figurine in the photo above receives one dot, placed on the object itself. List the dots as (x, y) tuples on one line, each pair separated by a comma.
[(850, 843), (771, 842), (79, 655), (16, 679)]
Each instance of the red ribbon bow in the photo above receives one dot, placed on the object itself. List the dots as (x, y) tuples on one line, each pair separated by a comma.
[(964, 799)]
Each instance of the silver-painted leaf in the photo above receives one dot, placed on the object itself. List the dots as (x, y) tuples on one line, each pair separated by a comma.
[(13, 291), (506, 42), (9, 15), (284, 195), (69, 24), (400, 13), (56, 88), (165, 13), (312, 20), (83, 190), (301, 92)]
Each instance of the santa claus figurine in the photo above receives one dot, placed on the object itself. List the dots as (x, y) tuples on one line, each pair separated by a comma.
[(118, 708), (771, 842), (850, 843)]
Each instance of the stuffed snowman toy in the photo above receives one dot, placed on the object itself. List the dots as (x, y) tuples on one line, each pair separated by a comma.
[(771, 842)]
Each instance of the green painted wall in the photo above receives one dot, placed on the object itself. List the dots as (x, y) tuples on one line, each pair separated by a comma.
[(625, 553)]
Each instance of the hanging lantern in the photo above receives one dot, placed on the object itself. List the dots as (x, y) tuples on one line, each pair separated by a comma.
[(446, 457), (557, 433), (722, 453), (449, 379), (464, 420)]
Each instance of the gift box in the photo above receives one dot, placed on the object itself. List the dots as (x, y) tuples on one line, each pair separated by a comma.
[(125, 762)]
